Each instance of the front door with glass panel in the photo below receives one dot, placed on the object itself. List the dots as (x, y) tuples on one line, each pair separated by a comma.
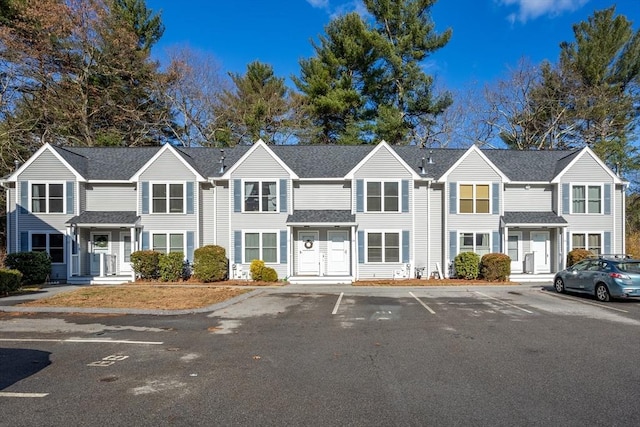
[(308, 253), (100, 244), (124, 254), (514, 248)]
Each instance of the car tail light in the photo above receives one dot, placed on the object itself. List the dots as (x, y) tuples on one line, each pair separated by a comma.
[(619, 276)]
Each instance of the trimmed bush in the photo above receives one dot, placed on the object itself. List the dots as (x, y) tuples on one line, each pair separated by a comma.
[(210, 264), (34, 266), (256, 268), (269, 275), (10, 281), (146, 264), (495, 266), (467, 265), (170, 266), (577, 255)]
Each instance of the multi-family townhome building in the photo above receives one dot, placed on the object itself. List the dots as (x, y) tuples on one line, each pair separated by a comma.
[(313, 213)]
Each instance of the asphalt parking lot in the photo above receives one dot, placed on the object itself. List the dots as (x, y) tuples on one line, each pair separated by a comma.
[(344, 356)]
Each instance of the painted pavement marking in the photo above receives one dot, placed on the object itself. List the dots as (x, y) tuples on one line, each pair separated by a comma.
[(503, 302), (80, 340), (422, 303), (335, 308)]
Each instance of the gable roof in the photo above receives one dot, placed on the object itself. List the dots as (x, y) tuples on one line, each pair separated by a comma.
[(472, 149), (586, 151), (259, 144), (311, 161), (179, 155), (383, 145)]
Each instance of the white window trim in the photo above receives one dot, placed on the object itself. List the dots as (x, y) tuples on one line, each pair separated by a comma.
[(167, 234), (475, 232), (261, 232), (168, 198), (260, 181), (47, 183), (586, 185), (384, 261), (382, 182), (48, 247), (475, 184), (586, 238)]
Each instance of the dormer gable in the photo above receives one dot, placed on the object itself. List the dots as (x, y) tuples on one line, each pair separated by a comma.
[(259, 145), (167, 149), (580, 157), (382, 146), (473, 150), (45, 151)]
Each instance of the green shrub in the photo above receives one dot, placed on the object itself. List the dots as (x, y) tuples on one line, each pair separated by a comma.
[(34, 266), (146, 264), (269, 275), (170, 266), (577, 255), (467, 265), (256, 268), (210, 263), (10, 281), (495, 266)]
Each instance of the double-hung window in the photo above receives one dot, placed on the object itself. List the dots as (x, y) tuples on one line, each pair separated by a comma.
[(47, 198), (475, 242), (51, 243), (586, 199), (260, 196), (589, 241), (261, 245), (474, 198), (383, 196), (167, 242), (167, 198), (383, 247)]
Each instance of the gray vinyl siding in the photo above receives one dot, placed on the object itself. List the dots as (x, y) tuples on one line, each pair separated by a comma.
[(586, 169), (322, 195), (222, 208), (207, 215), (46, 168), (82, 195), (436, 242), (260, 165), (11, 218), (618, 207), (111, 197), (538, 198), (166, 168), (384, 166), (420, 234), (473, 169)]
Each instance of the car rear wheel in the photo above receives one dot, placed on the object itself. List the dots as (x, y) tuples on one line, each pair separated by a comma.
[(602, 293), (559, 285)]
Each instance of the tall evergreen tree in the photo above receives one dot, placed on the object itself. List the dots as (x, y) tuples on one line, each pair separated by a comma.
[(366, 81)]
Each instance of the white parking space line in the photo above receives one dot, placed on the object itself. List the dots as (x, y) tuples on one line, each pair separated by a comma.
[(8, 394), (335, 308), (422, 303), (80, 340), (503, 302), (568, 298)]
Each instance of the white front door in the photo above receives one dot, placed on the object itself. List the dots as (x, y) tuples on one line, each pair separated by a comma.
[(338, 259), (540, 248), (124, 254), (514, 250), (100, 244), (308, 253)]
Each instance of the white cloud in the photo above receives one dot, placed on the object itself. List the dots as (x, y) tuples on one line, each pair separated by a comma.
[(532, 9), (319, 4)]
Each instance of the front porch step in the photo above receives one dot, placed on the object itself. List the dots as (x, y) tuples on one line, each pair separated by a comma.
[(320, 280), (527, 278), (97, 280)]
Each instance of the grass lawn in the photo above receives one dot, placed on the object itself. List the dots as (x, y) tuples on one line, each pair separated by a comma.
[(140, 297)]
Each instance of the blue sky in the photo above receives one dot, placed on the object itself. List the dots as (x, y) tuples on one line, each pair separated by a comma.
[(489, 36)]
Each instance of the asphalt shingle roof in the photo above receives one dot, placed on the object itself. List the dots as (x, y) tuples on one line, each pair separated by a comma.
[(321, 216), (105, 217), (550, 218), (312, 161)]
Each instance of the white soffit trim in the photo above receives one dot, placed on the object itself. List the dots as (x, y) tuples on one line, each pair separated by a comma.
[(382, 145), (254, 147), (583, 152), (166, 147), (46, 147)]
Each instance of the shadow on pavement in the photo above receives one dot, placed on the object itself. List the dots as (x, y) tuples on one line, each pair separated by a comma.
[(17, 364)]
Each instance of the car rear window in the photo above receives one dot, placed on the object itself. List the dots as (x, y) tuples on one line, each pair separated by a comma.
[(631, 267)]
